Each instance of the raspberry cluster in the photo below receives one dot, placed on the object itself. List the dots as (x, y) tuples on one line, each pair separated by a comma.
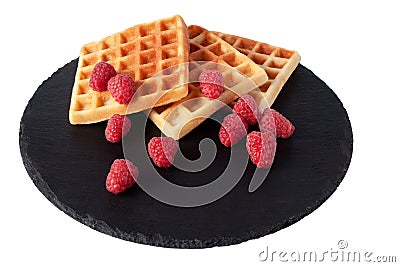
[(105, 77), (261, 145)]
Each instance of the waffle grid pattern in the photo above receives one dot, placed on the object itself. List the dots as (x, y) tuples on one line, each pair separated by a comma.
[(277, 62), (241, 75), (141, 51)]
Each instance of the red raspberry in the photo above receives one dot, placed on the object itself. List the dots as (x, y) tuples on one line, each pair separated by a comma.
[(162, 151), (117, 127), (233, 129), (261, 148), (246, 107), (122, 175), (273, 119), (122, 88), (267, 122), (101, 74), (211, 83)]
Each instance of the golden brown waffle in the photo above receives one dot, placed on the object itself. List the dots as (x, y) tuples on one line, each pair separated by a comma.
[(141, 51), (241, 75), (278, 63)]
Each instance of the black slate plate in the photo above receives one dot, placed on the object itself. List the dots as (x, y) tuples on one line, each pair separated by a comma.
[(68, 164)]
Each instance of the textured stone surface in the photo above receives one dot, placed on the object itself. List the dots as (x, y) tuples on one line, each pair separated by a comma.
[(69, 164)]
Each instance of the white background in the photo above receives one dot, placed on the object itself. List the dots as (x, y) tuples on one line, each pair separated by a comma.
[(352, 45)]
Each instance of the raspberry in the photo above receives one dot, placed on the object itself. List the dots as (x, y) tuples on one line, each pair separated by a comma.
[(122, 88), (101, 74), (211, 83), (246, 107), (122, 175), (162, 150), (267, 122), (261, 148), (117, 127), (283, 127), (233, 129)]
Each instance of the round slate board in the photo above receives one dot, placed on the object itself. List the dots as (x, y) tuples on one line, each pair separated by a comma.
[(69, 164)]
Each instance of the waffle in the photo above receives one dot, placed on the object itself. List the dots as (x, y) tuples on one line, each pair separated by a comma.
[(207, 51), (278, 63), (140, 51)]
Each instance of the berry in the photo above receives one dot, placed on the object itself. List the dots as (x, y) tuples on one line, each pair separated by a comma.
[(117, 127), (246, 107), (233, 129), (122, 88), (122, 175), (261, 148), (267, 122), (273, 119), (211, 83), (101, 74), (162, 151)]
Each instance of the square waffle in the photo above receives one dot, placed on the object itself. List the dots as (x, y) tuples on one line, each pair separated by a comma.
[(140, 51), (278, 63), (178, 119)]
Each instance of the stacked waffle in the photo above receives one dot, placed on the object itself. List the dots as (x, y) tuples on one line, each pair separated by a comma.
[(154, 53), (141, 51)]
